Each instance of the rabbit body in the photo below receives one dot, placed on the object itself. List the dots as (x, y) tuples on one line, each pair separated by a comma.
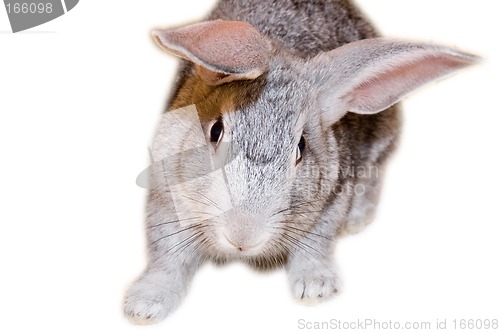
[(295, 132)]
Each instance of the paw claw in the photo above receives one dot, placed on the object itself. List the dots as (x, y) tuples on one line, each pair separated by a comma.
[(315, 289), (143, 311)]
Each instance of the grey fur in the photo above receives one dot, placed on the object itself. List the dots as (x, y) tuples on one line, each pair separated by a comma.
[(282, 214)]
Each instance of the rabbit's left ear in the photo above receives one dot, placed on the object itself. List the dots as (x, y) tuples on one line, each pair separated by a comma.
[(222, 51), (369, 76)]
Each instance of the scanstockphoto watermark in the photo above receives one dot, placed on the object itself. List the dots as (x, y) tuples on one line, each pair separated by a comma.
[(188, 166), (361, 325), (372, 324)]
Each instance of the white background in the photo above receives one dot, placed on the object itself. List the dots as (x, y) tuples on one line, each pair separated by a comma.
[(79, 100)]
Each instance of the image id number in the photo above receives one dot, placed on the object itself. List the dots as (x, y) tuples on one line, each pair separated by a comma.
[(475, 324), (31, 8)]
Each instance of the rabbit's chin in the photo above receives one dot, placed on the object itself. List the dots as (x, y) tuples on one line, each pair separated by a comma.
[(265, 259)]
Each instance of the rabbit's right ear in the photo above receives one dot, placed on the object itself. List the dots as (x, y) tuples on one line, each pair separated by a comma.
[(369, 76), (222, 51)]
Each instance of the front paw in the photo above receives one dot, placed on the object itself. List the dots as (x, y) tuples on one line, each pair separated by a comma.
[(151, 299), (313, 288), (144, 310)]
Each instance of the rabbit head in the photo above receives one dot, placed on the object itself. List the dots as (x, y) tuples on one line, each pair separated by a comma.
[(252, 155)]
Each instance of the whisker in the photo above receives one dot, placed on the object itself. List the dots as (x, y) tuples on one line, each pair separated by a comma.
[(312, 233), (303, 212), (174, 221), (188, 241), (298, 205), (177, 232), (196, 200), (210, 216), (212, 202), (305, 247), (197, 234), (298, 233)]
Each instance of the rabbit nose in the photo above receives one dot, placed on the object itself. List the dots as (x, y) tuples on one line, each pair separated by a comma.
[(243, 231)]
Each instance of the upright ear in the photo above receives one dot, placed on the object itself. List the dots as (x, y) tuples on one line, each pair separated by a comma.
[(222, 51), (369, 76)]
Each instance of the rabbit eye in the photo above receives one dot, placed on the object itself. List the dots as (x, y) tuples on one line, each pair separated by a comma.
[(217, 131), (300, 150)]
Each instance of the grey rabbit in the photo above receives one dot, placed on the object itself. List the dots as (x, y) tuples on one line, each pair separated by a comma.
[(275, 140)]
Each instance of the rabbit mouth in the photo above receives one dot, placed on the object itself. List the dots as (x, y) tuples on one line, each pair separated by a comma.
[(242, 247)]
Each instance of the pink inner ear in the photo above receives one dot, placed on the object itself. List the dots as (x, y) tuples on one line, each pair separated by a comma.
[(229, 47), (381, 90)]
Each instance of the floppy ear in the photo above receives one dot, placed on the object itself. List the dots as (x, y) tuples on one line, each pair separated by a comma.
[(370, 75), (222, 51)]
